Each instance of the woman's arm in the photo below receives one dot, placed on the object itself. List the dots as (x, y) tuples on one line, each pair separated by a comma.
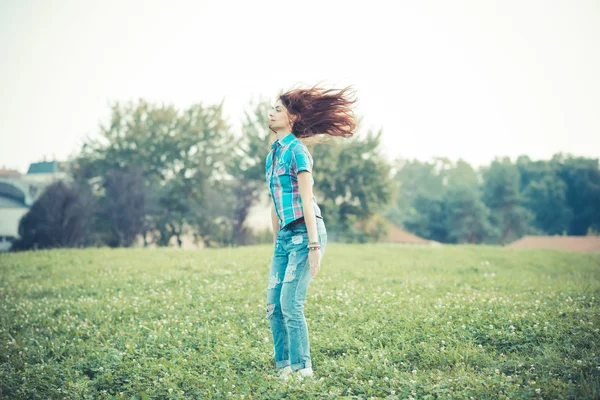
[(306, 194), (274, 222)]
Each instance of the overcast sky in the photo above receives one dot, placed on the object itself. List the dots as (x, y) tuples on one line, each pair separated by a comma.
[(461, 79)]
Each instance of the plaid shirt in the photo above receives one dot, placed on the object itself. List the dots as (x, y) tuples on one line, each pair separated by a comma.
[(290, 156)]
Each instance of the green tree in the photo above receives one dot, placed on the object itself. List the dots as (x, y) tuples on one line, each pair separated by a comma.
[(414, 181), (352, 182), (466, 218), (582, 178), (247, 167), (122, 207), (563, 193), (427, 218), (181, 155), (502, 195), (544, 193), (546, 199), (440, 200), (61, 217), (461, 174)]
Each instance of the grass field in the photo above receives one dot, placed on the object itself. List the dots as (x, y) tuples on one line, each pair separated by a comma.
[(385, 321)]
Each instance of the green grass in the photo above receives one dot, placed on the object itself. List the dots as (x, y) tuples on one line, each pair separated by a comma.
[(385, 321)]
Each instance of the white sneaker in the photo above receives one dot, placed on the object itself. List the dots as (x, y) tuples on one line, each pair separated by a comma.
[(285, 373), (305, 372)]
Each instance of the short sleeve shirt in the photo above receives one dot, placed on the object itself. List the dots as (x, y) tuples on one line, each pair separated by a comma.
[(288, 157)]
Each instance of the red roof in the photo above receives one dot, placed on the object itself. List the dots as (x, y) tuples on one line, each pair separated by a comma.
[(9, 172), (399, 235), (395, 234), (568, 243)]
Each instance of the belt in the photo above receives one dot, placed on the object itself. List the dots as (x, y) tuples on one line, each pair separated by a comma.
[(296, 222)]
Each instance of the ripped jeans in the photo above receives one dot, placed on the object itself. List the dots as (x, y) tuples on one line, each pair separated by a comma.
[(288, 281)]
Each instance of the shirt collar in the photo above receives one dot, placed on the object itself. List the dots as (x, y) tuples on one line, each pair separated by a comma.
[(285, 141)]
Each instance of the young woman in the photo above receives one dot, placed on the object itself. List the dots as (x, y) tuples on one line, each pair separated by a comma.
[(299, 230)]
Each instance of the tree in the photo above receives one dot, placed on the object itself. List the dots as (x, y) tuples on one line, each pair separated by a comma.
[(213, 222), (501, 193), (180, 154), (247, 168), (582, 179), (427, 218), (61, 217), (352, 182), (563, 193), (123, 206), (460, 174), (415, 180), (465, 216), (440, 200), (546, 199), (544, 193)]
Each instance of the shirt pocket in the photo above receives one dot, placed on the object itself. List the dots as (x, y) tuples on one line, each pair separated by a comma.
[(281, 168)]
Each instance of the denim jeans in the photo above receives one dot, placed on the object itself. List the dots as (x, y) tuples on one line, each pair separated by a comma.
[(286, 292)]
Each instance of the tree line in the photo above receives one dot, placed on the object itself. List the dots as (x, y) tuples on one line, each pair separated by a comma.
[(156, 174), (497, 204)]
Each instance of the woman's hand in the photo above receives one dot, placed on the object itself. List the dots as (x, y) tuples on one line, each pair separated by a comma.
[(314, 258)]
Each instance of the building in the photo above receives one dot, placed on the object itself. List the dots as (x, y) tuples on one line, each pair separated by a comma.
[(18, 192)]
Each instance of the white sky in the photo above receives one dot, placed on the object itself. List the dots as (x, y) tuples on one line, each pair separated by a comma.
[(461, 79)]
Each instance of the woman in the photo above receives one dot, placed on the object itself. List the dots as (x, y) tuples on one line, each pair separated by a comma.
[(299, 231)]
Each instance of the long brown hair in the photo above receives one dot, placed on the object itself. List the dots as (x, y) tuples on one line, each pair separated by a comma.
[(320, 111)]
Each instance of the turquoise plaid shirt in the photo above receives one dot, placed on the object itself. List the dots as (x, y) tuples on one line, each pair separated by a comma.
[(290, 156)]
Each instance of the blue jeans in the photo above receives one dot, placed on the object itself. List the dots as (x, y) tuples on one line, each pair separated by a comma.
[(288, 281)]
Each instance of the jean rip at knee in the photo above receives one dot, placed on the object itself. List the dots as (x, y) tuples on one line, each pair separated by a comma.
[(273, 281), (270, 310), (290, 273)]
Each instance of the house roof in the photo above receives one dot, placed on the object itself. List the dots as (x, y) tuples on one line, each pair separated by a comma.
[(47, 167), (9, 173), (11, 191), (395, 234), (399, 235), (568, 243)]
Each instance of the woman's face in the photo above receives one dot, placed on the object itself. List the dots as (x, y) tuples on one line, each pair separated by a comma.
[(279, 119)]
